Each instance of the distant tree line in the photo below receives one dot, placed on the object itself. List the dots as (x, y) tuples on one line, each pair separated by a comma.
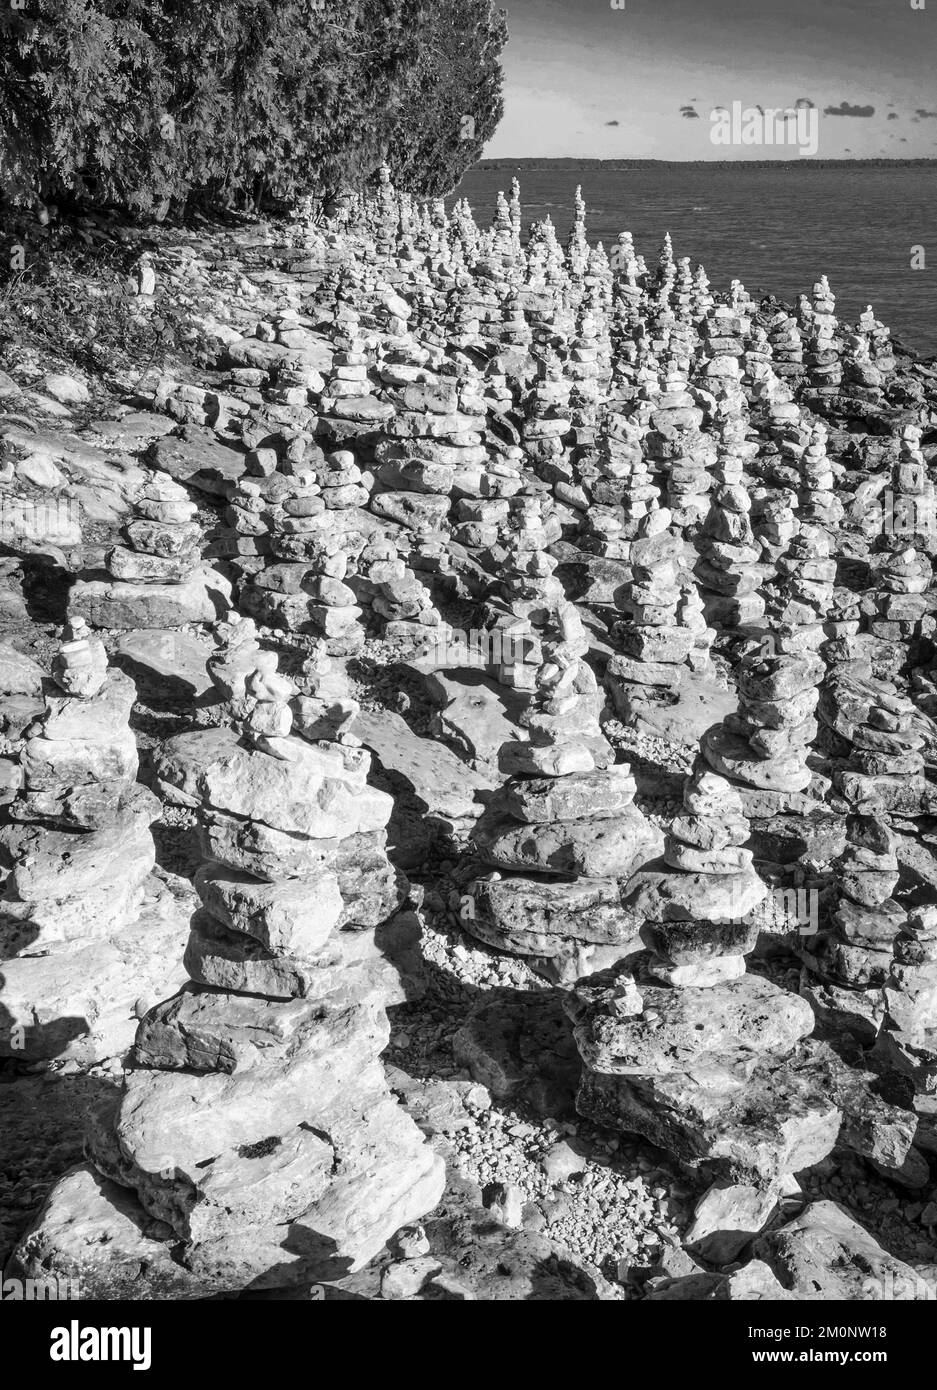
[(150, 104)]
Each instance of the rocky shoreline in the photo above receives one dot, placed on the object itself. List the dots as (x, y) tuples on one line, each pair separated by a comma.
[(468, 781)]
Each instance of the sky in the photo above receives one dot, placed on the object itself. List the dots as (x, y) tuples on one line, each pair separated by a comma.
[(586, 80)]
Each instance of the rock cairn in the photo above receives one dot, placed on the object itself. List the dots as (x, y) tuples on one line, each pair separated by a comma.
[(257, 1130), (824, 370), (852, 957), (157, 579), (681, 450), (78, 850), (730, 569), (664, 635), (561, 850), (879, 765), (682, 1045)]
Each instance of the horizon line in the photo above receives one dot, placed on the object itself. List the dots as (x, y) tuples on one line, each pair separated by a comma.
[(798, 162)]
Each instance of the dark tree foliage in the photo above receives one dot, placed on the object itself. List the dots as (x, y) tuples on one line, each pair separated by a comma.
[(147, 103), (457, 103)]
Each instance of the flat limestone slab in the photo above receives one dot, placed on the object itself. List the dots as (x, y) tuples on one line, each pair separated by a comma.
[(93, 1231), (132, 428), (477, 714), (699, 705), (438, 777), (777, 1118), (198, 460), (162, 660), (77, 1003), (204, 598)]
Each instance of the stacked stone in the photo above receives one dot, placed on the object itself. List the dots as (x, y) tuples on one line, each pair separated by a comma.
[(584, 367), (723, 330), (325, 709), (627, 356), (818, 500), (898, 598), (563, 831), (628, 286), (900, 569), (657, 644), (682, 451), (703, 299), (400, 597), (598, 281), (647, 366), (907, 1043), (878, 338), (461, 325), (883, 769), (771, 397), (350, 375), (561, 849), (433, 447), (681, 300), (787, 347), (775, 522), (621, 491), (824, 369), (542, 642), (349, 411), (681, 1045), (235, 658), (514, 332), (547, 416), (862, 379), (157, 578), (735, 450), (851, 958), (691, 616), (756, 358), (257, 1127), (465, 229), (77, 847), (555, 277), (517, 211), (790, 435), (913, 520), (666, 271), (764, 746), (803, 602), (499, 264), (729, 570), (740, 300), (298, 586), (577, 246), (660, 322)]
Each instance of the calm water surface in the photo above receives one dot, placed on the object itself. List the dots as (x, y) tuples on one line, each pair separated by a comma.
[(775, 229)]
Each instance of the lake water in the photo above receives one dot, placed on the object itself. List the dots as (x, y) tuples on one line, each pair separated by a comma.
[(777, 229)]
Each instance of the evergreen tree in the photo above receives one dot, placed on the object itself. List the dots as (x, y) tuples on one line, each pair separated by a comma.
[(149, 102), (456, 103)]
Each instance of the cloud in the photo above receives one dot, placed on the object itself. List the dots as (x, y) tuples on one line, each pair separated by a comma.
[(893, 115), (926, 115), (804, 103), (613, 122), (689, 113), (844, 109)]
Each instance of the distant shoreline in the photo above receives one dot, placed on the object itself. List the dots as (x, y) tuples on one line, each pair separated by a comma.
[(531, 164)]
